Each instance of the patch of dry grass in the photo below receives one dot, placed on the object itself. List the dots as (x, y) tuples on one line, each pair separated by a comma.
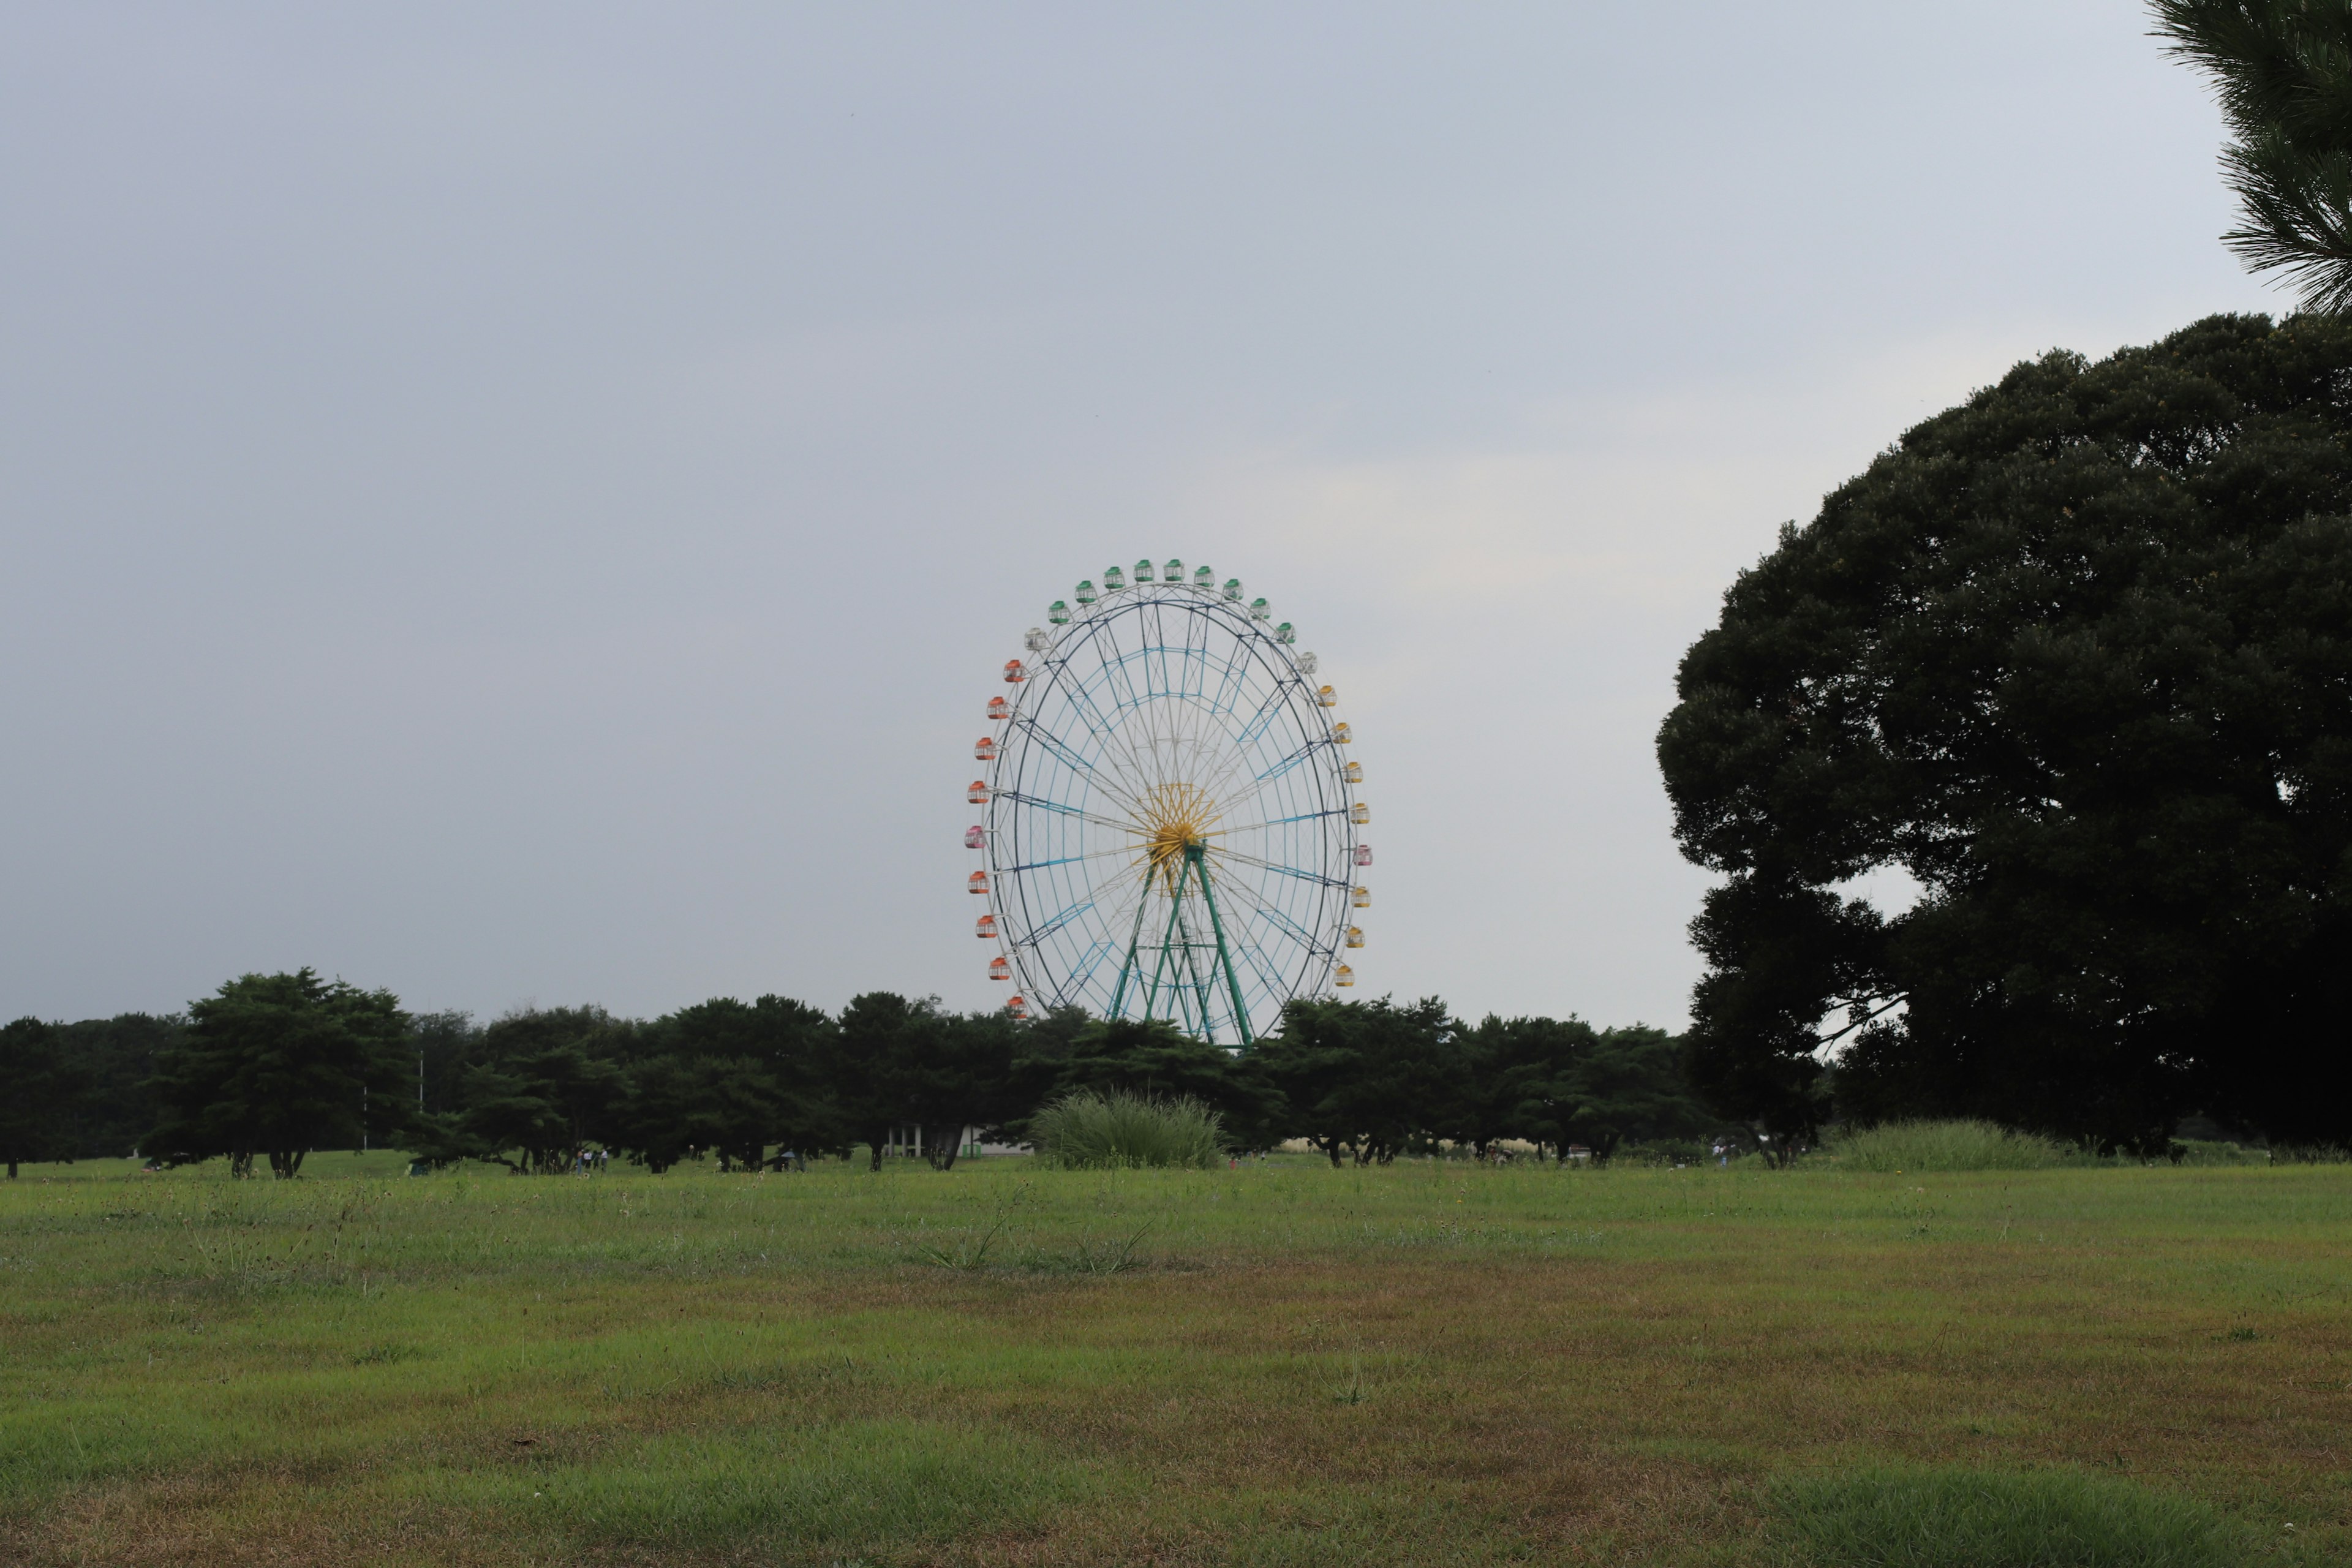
[(1426, 1364)]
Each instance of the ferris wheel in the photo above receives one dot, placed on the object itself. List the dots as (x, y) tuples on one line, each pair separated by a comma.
[(1171, 826)]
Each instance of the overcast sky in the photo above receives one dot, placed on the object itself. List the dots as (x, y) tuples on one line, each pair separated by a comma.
[(524, 504)]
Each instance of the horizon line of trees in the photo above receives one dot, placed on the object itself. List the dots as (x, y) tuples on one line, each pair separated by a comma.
[(274, 1065)]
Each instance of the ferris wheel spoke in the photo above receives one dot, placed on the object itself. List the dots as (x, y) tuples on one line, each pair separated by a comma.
[(1115, 675), (1070, 682), (1069, 757), (1297, 932), (1241, 755), (1276, 866), (1091, 773), (1277, 821), (1040, 802), (1245, 941), (1126, 852), (1030, 938)]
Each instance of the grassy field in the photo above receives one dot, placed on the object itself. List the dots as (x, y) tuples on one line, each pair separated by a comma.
[(1279, 1363)]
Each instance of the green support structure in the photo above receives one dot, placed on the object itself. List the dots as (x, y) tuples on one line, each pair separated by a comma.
[(1195, 862), (1225, 956)]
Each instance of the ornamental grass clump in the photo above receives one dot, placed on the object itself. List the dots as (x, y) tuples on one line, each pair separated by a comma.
[(1943, 1146), (1087, 1130)]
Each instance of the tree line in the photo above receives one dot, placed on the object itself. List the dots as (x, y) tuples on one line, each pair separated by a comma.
[(272, 1067)]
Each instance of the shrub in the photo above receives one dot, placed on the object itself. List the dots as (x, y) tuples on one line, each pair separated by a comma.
[(1961, 1519), (2310, 1154), (1117, 1130), (1666, 1152), (1942, 1146), (2213, 1151)]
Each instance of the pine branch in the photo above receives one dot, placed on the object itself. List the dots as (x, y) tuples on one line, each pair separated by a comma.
[(2283, 71)]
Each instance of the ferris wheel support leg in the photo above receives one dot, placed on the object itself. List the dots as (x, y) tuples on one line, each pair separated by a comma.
[(1134, 945), (1175, 911), (1233, 985), (1192, 967)]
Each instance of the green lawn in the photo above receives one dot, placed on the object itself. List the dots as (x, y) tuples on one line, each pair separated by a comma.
[(1280, 1364)]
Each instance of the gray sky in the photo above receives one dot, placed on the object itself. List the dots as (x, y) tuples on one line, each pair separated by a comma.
[(525, 503)]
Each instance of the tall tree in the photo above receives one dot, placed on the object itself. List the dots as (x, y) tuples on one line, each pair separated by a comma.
[(745, 1075), (446, 1046), (2282, 69), (877, 1057), (2078, 656), (119, 1055), (1368, 1080), (551, 1084), (967, 1081), (1627, 1084), (1518, 1080), (41, 1094), (279, 1065)]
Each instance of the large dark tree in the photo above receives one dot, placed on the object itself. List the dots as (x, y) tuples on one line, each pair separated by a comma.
[(1518, 1080), (1368, 1080), (446, 1046), (41, 1094), (733, 1077), (1627, 1085), (118, 1055), (967, 1080), (2078, 654), (550, 1083), (2284, 72), (279, 1065), (875, 1068)]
